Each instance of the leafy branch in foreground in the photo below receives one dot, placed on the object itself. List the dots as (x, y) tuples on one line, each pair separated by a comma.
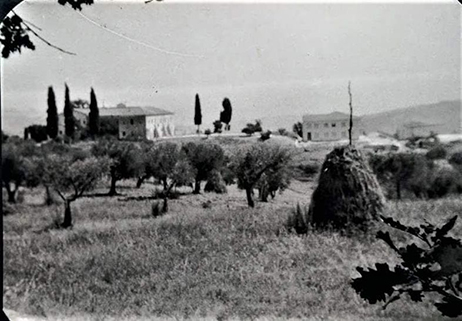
[(436, 267)]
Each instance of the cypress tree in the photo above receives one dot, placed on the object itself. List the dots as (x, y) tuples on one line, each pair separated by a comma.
[(227, 113), (93, 121), (52, 115), (198, 114), (69, 122)]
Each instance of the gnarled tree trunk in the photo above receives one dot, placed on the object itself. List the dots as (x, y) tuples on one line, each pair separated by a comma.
[(197, 187), (11, 196), (112, 190), (67, 214), (248, 193), (48, 198), (263, 193), (141, 180)]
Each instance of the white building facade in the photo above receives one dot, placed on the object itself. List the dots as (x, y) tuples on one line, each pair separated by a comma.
[(131, 122), (330, 127)]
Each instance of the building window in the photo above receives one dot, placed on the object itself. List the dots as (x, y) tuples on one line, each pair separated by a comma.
[(123, 134), (131, 121), (333, 124), (326, 125), (316, 125), (60, 132)]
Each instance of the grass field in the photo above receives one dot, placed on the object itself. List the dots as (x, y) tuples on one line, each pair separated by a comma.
[(209, 258)]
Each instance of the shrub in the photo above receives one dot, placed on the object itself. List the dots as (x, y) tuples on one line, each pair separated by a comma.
[(282, 131), (37, 133), (456, 159), (217, 126), (297, 128), (298, 220), (207, 204), (437, 152), (444, 182), (310, 169), (435, 268), (228, 175), (156, 209), (265, 136), (250, 128), (215, 183)]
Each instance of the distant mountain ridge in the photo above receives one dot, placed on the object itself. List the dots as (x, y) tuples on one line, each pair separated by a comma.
[(446, 114)]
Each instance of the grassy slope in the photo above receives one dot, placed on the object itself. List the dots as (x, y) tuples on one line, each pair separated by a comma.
[(217, 262)]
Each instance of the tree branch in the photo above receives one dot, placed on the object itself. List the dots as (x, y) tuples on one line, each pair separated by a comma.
[(41, 38), (60, 194)]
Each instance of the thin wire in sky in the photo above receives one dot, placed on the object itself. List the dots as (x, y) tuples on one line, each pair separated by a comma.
[(169, 52)]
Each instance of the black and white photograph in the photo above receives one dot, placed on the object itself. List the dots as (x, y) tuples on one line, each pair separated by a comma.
[(231, 160)]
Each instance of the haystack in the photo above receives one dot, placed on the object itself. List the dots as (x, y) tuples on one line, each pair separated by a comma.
[(215, 183), (348, 192)]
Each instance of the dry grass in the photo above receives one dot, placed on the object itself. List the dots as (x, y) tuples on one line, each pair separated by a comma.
[(224, 261), (221, 262)]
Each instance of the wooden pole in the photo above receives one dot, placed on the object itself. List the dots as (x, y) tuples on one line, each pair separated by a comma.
[(350, 129)]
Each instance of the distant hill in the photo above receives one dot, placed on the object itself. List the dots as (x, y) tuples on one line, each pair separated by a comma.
[(445, 114)]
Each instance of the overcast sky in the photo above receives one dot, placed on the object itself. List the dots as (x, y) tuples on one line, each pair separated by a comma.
[(269, 59)]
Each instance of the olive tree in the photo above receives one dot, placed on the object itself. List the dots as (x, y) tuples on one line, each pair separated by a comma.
[(402, 171), (124, 162), (71, 176), (13, 171), (171, 167), (274, 180), (17, 168), (255, 161), (142, 164), (204, 158)]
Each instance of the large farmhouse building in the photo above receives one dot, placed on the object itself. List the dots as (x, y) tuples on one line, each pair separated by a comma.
[(329, 127), (130, 122)]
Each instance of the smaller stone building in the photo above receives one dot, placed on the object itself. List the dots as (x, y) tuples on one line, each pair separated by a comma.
[(419, 129), (330, 127)]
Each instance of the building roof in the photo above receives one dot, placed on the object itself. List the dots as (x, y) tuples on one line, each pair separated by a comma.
[(328, 117), (127, 111)]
